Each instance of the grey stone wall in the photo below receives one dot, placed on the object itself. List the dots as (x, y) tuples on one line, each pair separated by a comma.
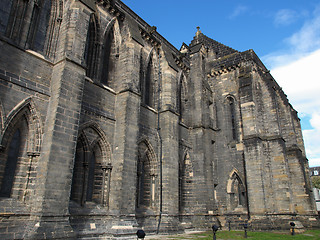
[(119, 130)]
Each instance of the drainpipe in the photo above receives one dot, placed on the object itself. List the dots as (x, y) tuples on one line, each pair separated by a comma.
[(246, 183), (160, 141), (245, 167)]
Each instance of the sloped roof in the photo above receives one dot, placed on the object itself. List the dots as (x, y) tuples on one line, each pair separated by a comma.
[(235, 58), (220, 49)]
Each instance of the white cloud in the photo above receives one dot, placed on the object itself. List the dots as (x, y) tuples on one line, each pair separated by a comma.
[(314, 162), (285, 17), (240, 9), (299, 44), (300, 80), (296, 71), (315, 121), (308, 38), (312, 141)]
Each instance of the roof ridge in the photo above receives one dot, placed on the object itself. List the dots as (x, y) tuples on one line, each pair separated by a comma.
[(220, 48), (210, 39)]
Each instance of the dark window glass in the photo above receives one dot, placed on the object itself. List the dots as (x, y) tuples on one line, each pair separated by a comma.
[(11, 165), (107, 65), (91, 177)]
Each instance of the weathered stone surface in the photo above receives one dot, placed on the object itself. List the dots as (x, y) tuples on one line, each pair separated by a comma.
[(107, 128)]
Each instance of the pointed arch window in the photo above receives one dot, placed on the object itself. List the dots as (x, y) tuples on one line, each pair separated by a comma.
[(39, 24), (53, 28), (5, 10), (148, 88), (185, 182), (232, 114), (110, 56), (91, 47), (16, 21), (236, 191), (213, 115), (203, 65), (146, 178), (14, 160), (145, 189), (91, 174), (181, 185), (32, 24), (11, 165), (90, 178), (79, 171), (182, 99), (107, 62), (21, 142), (141, 174)]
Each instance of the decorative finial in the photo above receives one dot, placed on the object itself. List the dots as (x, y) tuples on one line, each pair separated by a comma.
[(198, 31), (152, 30)]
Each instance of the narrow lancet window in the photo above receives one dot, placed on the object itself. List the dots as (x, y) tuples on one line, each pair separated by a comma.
[(140, 183), (91, 173), (110, 57), (39, 25), (16, 20), (5, 9), (182, 99), (232, 117), (91, 48), (148, 86), (146, 184), (11, 165)]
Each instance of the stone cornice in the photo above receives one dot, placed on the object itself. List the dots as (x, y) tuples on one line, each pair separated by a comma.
[(148, 36), (111, 7), (180, 61)]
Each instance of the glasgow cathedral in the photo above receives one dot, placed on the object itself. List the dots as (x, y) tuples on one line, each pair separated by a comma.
[(107, 128)]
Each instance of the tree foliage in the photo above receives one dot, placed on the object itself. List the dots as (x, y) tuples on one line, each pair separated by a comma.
[(315, 181)]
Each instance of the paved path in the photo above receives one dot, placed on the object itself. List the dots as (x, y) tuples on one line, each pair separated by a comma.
[(182, 236)]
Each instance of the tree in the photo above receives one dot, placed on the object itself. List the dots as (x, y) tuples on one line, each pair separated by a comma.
[(315, 181)]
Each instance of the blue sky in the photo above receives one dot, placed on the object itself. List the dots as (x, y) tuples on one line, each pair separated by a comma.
[(285, 34)]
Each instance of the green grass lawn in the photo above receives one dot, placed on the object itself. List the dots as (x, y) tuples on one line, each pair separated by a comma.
[(226, 235)]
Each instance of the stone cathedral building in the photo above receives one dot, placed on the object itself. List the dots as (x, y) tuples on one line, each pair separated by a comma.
[(106, 128)]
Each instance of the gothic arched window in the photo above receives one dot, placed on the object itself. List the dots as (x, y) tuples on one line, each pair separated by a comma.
[(90, 176), (182, 98), (5, 9), (141, 172), (91, 47), (53, 28), (32, 24), (182, 185), (148, 87), (144, 183), (16, 21), (185, 182), (90, 180), (146, 178), (20, 140), (232, 114), (11, 165), (110, 56), (79, 173), (236, 191), (14, 161), (39, 25), (91, 173)]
